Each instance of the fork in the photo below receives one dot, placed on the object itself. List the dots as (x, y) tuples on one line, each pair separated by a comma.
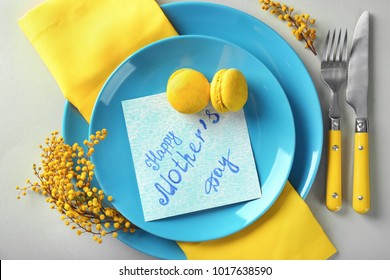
[(334, 73)]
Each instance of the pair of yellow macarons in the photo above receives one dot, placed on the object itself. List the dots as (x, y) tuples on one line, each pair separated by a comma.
[(189, 91)]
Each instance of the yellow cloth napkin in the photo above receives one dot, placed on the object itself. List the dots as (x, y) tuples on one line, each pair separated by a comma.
[(288, 230), (83, 41)]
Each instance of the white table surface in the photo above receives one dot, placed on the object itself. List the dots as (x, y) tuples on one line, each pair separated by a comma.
[(32, 107)]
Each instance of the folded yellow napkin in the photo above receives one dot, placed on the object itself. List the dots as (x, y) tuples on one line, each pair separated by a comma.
[(288, 230), (83, 41)]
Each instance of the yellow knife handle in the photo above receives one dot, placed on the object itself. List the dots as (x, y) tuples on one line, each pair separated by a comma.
[(333, 181), (361, 174)]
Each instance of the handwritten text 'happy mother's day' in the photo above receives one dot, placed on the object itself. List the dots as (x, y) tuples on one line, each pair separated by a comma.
[(184, 162)]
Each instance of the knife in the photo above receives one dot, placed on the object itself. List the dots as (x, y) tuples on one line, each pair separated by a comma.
[(357, 94)]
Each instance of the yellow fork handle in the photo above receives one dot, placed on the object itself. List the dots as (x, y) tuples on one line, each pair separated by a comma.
[(333, 181), (361, 174)]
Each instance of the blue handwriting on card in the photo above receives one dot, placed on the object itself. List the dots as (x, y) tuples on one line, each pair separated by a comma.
[(187, 163)]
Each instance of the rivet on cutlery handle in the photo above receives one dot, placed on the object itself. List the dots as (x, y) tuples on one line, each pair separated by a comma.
[(334, 177), (361, 174)]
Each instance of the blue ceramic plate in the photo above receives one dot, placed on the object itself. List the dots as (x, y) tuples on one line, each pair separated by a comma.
[(259, 39), (146, 72)]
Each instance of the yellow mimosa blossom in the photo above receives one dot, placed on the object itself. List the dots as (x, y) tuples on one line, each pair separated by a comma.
[(65, 177), (300, 23)]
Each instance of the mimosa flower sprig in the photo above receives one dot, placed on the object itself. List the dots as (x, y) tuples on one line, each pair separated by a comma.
[(65, 178), (300, 23)]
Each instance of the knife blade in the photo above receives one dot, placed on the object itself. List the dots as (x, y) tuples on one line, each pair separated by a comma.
[(357, 96)]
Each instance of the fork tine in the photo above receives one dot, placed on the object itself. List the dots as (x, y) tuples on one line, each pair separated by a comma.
[(337, 53), (325, 48), (332, 48), (344, 50)]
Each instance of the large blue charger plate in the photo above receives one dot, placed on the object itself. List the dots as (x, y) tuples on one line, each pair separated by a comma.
[(259, 39), (146, 72)]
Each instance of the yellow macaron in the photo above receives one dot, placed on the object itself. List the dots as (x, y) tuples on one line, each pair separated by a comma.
[(188, 91), (229, 90)]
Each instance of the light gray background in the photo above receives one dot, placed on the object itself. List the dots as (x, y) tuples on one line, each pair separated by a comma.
[(32, 106)]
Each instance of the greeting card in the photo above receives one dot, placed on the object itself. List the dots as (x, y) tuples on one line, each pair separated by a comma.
[(187, 163)]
